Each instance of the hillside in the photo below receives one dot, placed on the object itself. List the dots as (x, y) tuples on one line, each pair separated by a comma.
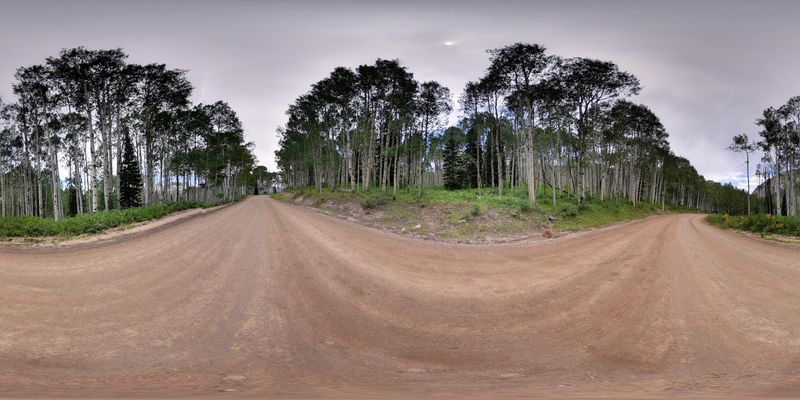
[(761, 190), (468, 215)]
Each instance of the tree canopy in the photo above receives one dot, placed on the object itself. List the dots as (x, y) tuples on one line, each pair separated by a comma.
[(72, 115), (532, 120)]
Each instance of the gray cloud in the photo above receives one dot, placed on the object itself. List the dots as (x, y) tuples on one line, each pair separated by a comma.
[(708, 67)]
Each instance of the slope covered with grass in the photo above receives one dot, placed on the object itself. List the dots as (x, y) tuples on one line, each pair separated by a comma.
[(89, 222), (758, 223), (470, 214)]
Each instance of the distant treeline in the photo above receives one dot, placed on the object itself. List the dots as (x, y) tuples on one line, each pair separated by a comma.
[(780, 146), (73, 115), (532, 120)]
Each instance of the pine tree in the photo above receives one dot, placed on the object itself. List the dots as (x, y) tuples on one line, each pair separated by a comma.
[(473, 157), (454, 166), (72, 208), (130, 180)]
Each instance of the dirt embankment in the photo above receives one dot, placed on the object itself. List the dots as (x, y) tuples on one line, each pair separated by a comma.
[(267, 299), (456, 223)]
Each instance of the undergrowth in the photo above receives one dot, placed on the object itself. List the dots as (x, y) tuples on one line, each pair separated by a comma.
[(758, 223), (468, 204), (28, 226)]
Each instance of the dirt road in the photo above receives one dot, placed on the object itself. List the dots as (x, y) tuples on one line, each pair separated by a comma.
[(264, 298)]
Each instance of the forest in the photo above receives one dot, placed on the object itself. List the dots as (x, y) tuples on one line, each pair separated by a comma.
[(533, 120), (776, 173), (90, 132)]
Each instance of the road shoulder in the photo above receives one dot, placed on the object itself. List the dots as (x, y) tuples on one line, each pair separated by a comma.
[(533, 236), (124, 232)]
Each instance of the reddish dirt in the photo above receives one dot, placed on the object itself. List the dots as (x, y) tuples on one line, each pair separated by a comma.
[(264, 298)]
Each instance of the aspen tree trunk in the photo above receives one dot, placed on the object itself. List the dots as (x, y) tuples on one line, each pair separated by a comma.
[(788, 195), (145, 195), (381, 159), (92, 155), (119, 157), (499, 164), (349, 160), (77, 177), (553, 173), (529, 166), (3, 193), (559, 172), (602, 184), (56, 183), (385, 161), (331, 171), (422, 156), (366, 151), (12, 204), (581, 180), (106, 148), (778, 205), (794, 193), (367, 176), (478, 159), (747, 157), (490, 161), (85, 178), (39, 184), (511, 168), (164, 177), (581, 158), (396, 166), (149, 191)]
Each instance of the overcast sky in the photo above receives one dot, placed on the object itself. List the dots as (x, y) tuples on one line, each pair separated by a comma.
[(708, 67)]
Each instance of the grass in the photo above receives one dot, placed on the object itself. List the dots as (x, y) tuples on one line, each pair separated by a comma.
[(466, 214), (90, 222), (470, 213), (280, 196), (764, 224), (515, 200), (598, 214)]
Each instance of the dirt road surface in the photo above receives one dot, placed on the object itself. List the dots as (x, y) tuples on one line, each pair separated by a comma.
[(265, 298)]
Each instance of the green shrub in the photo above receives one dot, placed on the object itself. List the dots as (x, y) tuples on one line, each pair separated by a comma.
[(523, 205), (758, 223), (371, 202), (28, 226), (716, 219), (475, 211), (568, 210)]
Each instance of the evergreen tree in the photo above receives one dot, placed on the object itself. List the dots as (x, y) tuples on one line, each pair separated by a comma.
[(473, 156), (130, 185), (72, 205), (454, 166)]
